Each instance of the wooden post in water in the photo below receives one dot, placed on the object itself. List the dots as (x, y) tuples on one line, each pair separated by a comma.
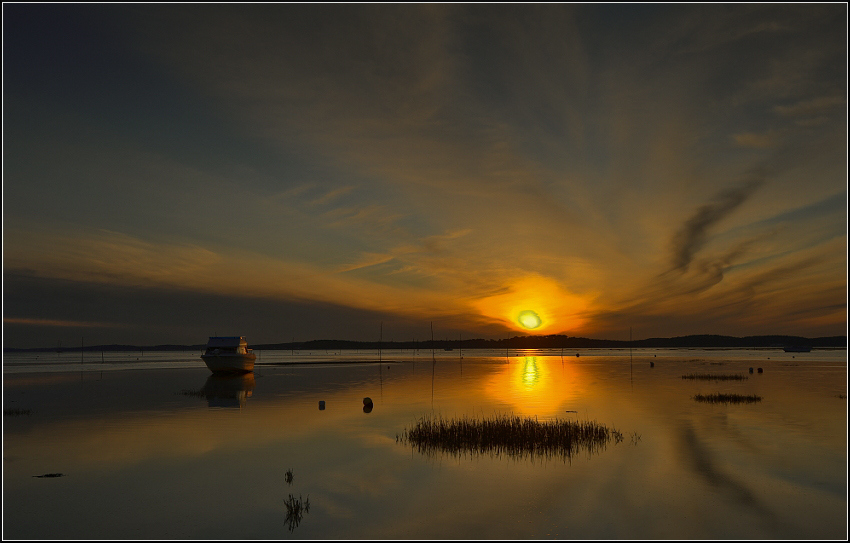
[(380, 339), (460, 356), (433, 364)]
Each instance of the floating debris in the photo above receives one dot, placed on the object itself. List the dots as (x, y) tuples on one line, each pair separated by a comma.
[(50, 475), (513, 436), (727, 398), (715, 376), (295, 510), (14, 412)]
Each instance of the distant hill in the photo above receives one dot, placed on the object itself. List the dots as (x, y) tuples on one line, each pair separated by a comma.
[(562, 341), (516, 342)]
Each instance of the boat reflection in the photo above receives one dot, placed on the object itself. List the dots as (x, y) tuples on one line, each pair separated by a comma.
[(228, 390)]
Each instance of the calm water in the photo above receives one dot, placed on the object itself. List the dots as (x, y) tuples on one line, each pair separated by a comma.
[(151, 446)]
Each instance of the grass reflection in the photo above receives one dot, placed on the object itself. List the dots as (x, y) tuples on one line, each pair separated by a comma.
[(715, 376), (727, 398), (517, 437)]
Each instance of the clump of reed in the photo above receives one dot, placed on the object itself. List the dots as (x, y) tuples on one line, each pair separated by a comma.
[(716, 376), (514, 436), (288, 476), (295, 510), (727, 398), (14, 412), (200, 393)]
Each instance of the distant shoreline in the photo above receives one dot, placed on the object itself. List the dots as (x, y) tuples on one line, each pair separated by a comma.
[(517, 342)]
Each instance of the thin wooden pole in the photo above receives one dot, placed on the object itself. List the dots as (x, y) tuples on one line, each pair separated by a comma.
[(432, 341)]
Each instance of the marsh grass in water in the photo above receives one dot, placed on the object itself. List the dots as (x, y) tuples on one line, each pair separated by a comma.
[(716, 376), (513, 436), (727, 398), (14, 412), (295, 510)]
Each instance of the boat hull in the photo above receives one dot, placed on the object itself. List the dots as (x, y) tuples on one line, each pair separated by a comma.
[(230, 363)]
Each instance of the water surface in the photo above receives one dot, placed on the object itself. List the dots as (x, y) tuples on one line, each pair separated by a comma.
[(157, 448)]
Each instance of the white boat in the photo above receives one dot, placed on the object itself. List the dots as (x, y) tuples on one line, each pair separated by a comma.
[(229, 354)]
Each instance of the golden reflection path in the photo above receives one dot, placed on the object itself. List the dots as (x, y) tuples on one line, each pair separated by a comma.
[(537, 385)]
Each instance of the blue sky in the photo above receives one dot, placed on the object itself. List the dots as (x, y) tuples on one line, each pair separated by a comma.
[(310, 171)]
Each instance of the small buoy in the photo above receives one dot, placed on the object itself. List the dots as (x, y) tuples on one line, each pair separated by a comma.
[(321, 405), (577, 355), (367, 401), (760, 370), (652, 364), (751, 370)]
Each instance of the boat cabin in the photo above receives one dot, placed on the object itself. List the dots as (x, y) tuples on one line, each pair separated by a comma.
[(227, 345)]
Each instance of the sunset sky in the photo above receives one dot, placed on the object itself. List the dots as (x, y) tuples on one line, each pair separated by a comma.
[(327, 171)]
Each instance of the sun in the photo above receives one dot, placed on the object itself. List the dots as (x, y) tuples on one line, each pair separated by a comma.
[(529, 319)]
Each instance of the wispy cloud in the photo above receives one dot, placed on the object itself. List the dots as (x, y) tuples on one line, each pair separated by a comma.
[(446, 159), (61, 323), (693, 234), (752, 140)]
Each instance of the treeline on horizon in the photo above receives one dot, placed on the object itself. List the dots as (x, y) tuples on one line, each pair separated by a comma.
[(557, 341)]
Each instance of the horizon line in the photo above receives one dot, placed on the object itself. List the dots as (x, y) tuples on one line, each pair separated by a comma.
[(524, 338)]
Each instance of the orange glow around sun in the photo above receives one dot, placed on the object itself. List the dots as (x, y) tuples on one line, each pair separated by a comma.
[(535, 304)]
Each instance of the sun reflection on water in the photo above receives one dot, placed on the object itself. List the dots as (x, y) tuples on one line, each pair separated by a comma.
[(536, 385), (530, 373)]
